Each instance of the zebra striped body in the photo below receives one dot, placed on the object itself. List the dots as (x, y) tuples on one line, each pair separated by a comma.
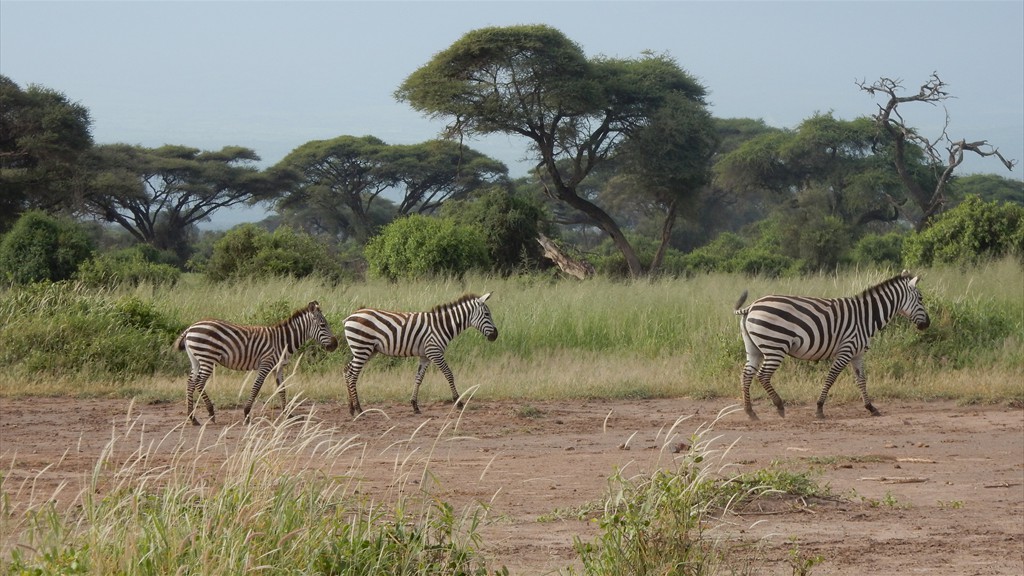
[(822, 328), (422, 334), (239, 347)]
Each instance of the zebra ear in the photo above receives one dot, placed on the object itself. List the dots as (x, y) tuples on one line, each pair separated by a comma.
[(313, 305), (484, 297), (913, 281)]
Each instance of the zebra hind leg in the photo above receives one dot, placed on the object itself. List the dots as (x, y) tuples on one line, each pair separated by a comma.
[(764, 375), (746, 379), (190, 407), (351, 376)]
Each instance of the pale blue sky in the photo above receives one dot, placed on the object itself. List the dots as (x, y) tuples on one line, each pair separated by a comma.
[(273, 75)]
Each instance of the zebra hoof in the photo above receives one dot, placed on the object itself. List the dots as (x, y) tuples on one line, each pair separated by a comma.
[(874, 411), (195, 422), (415, 408), (460, 404), (752, 415)]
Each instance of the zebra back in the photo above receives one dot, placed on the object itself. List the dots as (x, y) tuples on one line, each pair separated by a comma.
[(246, 345)]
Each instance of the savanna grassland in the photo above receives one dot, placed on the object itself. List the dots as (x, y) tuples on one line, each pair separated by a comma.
[(590, 443)]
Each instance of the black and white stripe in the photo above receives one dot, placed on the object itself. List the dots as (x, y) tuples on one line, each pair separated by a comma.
[(822, 328), (239, 347), (423, 334)]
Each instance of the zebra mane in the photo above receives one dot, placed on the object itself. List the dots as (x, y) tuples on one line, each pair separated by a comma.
[(902, 277), (307, 308), (462, 299)]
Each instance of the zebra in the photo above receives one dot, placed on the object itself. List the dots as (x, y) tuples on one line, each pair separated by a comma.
[(822, 328), (424, 334), (239, 347)]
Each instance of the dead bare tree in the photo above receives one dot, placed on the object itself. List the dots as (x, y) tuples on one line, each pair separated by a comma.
[(889, 118)]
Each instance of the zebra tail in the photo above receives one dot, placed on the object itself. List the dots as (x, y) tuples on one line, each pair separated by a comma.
[(743, 298), (179, 344)]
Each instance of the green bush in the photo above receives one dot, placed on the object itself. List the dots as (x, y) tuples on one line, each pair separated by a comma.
[(421, 246), (248, 251), (973, 232), (59, 330), (131, 266), (41, 247), (732, 253), (879, 250), (510, 224)]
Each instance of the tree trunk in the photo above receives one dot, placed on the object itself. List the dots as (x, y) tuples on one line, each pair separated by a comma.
[(666, 235), (580, 269)]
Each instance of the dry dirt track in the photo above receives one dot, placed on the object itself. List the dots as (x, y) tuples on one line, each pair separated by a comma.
[(962, 513)]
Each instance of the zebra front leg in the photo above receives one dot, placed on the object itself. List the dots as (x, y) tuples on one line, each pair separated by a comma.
[(260, 377), (443, 366), (420, 371), (837, 368), (862, 383)]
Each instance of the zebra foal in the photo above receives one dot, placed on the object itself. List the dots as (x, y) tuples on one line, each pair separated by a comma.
[(240, 347), (822, 328), (424, 334)]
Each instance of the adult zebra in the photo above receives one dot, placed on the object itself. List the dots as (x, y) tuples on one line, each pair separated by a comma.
[(240, 347), (819, 328), (424, 334)]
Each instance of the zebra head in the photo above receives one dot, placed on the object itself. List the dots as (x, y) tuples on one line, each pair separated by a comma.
[(480, 318), (318, 327), (911, 305)]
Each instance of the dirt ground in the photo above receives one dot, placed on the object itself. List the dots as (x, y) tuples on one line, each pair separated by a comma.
[(927, 488)]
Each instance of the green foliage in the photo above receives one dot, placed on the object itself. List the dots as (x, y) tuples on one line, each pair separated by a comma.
[(41, 247), (608, 260), (249, 251), (510, 223), (420, 246), (970, 233), (42, 135), (60, 330), (130, 266), (734, 254), (884, 250)]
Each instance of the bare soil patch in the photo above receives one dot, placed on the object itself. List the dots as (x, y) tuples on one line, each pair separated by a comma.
[(927, 488)]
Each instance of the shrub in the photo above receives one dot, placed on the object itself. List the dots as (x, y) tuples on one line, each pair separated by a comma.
[(972, 232), (131, 266), (248, 251), (509, 223), (420, 246), (41, 247), (881, 250)]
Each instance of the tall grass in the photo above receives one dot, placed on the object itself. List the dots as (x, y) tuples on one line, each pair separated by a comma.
[(276, 498), (558, 339)]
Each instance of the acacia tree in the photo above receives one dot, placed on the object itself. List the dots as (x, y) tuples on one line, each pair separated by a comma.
[(930, 199), (337, 180), (338, 184), (435, 171), (158, 194), (42, 136), (533, 82)]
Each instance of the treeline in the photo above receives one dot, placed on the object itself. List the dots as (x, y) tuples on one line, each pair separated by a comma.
[(633, 175)]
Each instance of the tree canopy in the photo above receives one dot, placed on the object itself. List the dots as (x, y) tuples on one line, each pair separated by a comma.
[(157, 194), (577, 112), (42, 135)]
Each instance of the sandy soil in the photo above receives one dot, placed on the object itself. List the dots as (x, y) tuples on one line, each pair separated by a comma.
[(927, 488)]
